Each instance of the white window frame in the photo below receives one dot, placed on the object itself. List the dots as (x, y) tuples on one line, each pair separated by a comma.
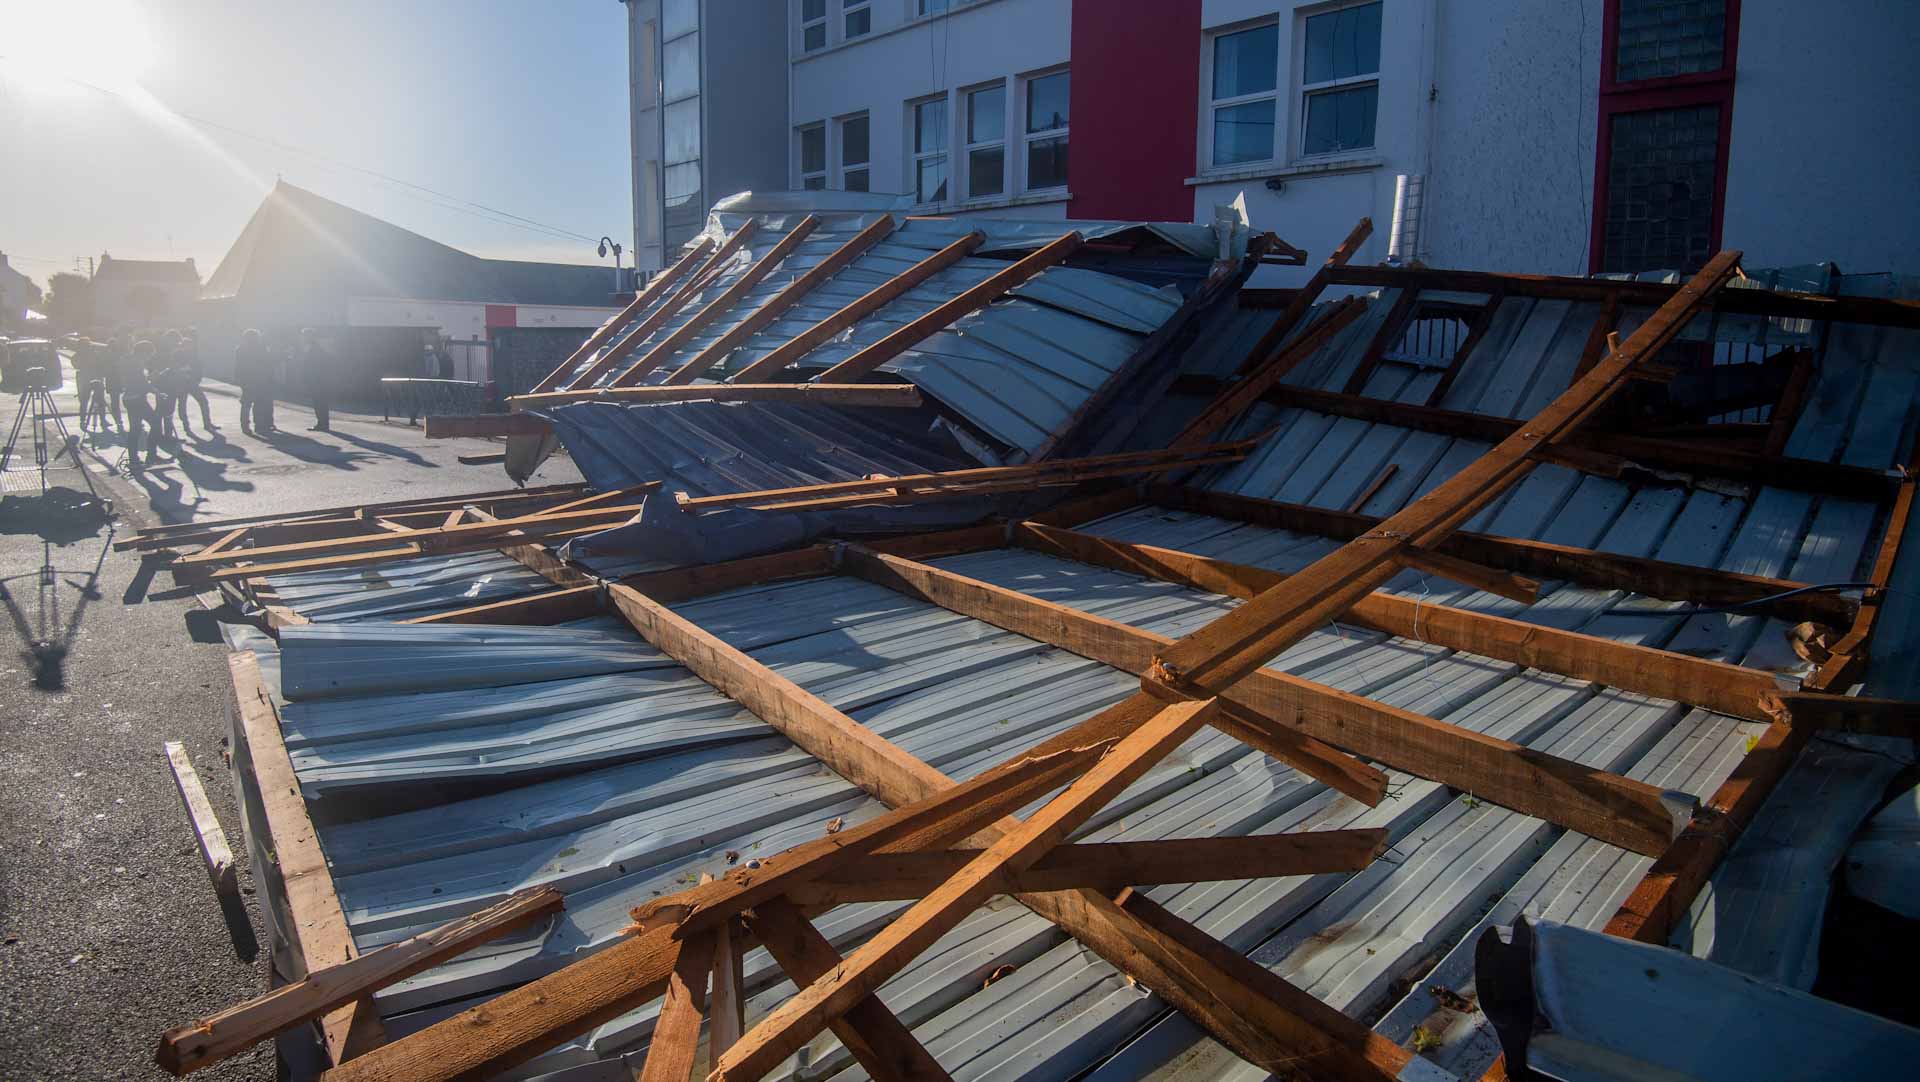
[(915, 155), (824, 22), (924, 11), (1303, 90), (851, 7), (968, 146), (1027, 138), (1213, 105), (800, 169), (839, 148)]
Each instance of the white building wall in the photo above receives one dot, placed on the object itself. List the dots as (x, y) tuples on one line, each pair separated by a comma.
[(1826, 142), (908, 57)]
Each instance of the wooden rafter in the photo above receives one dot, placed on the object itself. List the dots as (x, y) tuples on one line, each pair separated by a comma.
[(349, 517), (855, 311), (1234, 398), (1218, 655), (969, 300), (1587, 567), (878, 395), (1389, 332), (762, 317), (720, 305), (612, 327), (1476, 330), (1620, 810), (1305, 297), (667, 309)]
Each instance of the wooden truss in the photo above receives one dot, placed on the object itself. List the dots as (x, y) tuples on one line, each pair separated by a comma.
[(952, 845)]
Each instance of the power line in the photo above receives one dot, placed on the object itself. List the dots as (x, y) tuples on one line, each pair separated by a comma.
[(443, 200)]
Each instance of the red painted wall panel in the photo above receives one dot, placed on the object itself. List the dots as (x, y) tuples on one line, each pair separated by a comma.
[(508, 315), (1136, 74)]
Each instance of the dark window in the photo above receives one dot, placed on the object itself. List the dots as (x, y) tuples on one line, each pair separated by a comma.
[(1660, 186), (1659, 39)]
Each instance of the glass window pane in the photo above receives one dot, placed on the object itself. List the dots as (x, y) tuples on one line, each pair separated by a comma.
[(987, 115), (815, 37), (1247, 62), (1660, 176), (679, 16), (986, 172), (859, 22), (814, 184), (853, 141), (929, 7), (1663, 38), (1243, 133), (1340, 119), (1047, 163), (682, 183), (681, 68), (930, 126), (1047, 102), (813, 9), (813, 149), (682, 122), (1342, 44), (855, 180), (931, 180)]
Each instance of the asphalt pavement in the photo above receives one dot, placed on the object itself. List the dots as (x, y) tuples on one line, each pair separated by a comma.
[(109, 929)]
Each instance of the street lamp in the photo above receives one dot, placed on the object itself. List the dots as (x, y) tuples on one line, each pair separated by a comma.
[(618, 279)]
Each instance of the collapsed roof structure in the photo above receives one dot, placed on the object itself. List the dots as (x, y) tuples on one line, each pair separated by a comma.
[(992, 649)]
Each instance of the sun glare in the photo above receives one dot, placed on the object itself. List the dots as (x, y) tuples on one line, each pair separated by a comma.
[(103, 42)]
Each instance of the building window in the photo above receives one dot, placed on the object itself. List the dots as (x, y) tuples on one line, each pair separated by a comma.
[(930, 151), (1659, 39), (858, 17), (1660, 187), (1340, 80), (933, 7), (813, 24), (813, 156), (1666, 96), (987, 141), (1046, 135), (1246, 83), (854, 153)]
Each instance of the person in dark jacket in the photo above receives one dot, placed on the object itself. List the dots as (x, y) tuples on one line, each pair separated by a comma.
[(317, 366), (184, 358), (141, 414), (253, 368)]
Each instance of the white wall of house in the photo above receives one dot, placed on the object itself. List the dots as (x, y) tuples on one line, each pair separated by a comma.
[(1826, 142), (908, 57)]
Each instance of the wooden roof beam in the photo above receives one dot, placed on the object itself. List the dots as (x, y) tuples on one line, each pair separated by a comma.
[(653, 291)]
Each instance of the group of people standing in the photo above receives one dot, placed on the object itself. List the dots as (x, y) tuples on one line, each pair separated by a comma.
[(137, 384), (257, 365)]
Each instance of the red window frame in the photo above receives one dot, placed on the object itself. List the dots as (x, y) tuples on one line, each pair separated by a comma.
[(1645, 95)]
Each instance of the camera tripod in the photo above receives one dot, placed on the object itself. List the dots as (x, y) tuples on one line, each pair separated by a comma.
[(50, 439)]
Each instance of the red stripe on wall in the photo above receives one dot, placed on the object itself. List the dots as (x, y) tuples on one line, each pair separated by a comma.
[(503, 315), (1136, 74)]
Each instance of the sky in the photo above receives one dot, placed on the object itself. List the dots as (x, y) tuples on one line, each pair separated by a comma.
[(153, 130)]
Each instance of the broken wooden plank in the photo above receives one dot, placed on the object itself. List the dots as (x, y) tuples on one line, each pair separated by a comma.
[(720, 305), (1852, 713), (666, 310), (436, 539), (1587, 567), (319, 931), (654, 288), (1619, 810), (214, 850), (726, 1002), (795, 1022), (1102, 866), (200, 533), (1234, 398), (762, 317), (970, 300), (861, 395), (676, 1034), (1304, 298), (553, 607), (218, 1036), (1501, 583), (855, 311), (317, 563)]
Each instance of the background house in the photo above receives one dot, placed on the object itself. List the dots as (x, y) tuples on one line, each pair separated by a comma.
[(1601, 135), (378, 292), (17, 293), (144, 294)]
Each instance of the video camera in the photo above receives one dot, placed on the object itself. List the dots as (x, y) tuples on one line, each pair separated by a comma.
[(35, 379)]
